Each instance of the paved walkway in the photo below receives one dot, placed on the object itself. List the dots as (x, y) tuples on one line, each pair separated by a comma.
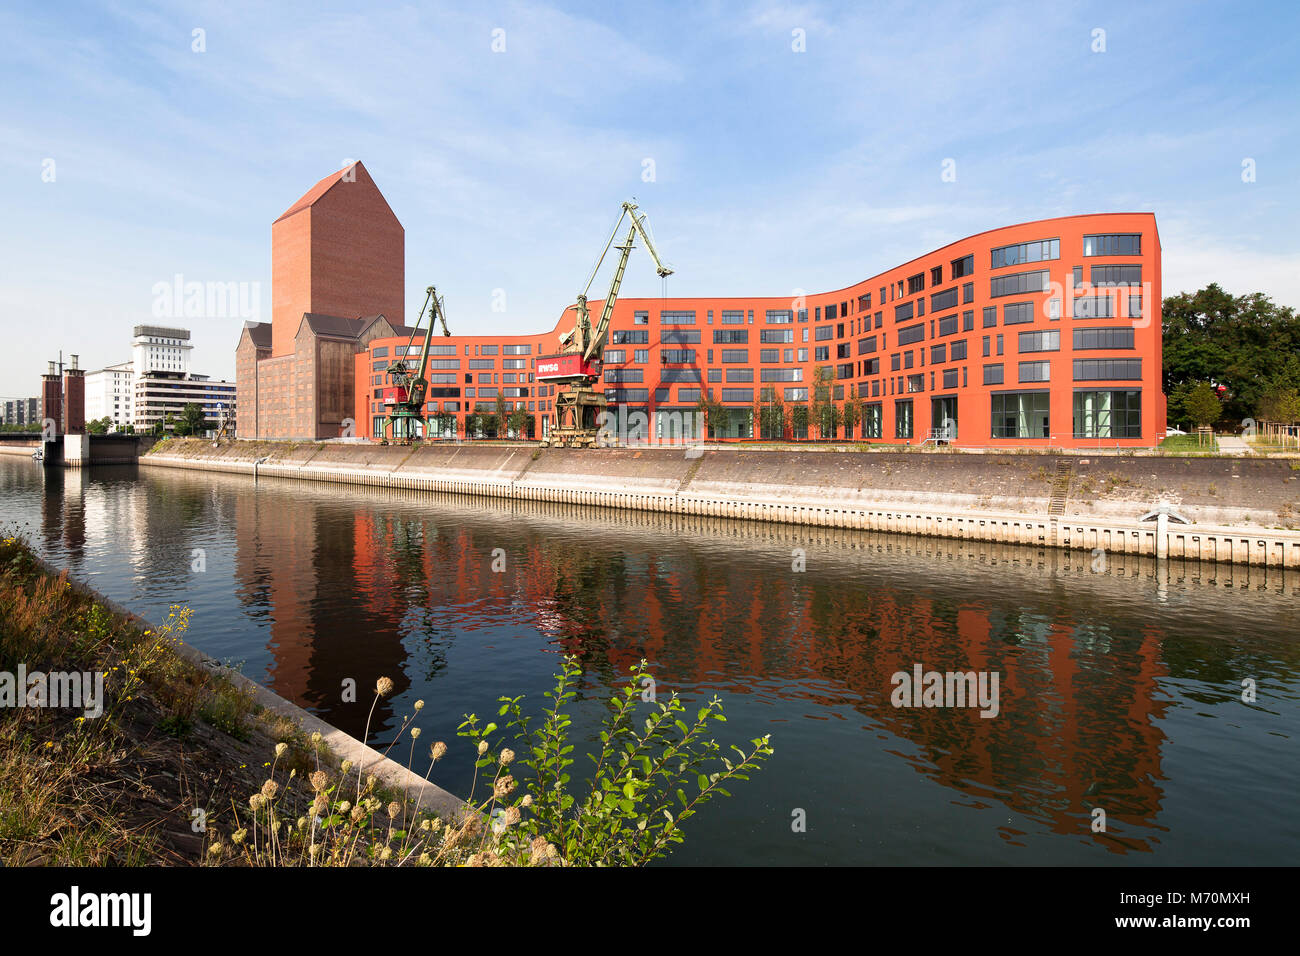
[(1231, 445)]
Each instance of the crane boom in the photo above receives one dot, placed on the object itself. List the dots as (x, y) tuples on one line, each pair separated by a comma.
[(577, 364), (410, 384)]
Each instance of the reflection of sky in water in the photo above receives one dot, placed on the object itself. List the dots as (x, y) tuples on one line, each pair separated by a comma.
[(1120, 691)]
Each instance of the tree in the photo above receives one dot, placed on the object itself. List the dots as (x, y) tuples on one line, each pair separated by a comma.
[(521, 421), (502, 416), (1202, 405), (821, 403), (99, 426), (799, 416), (852, 412), (192, 420), (1245, 343), (1279, 405)]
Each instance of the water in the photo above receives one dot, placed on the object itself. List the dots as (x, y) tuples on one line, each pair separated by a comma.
[(1120, 687)]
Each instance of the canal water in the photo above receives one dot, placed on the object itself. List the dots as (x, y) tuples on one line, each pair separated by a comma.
[(1120, 681)]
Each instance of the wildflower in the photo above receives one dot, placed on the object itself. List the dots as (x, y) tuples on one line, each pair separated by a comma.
[(507, 755), (503, 786), (438, 750), (315, 738), (313, 850), (215, 851), (419, 705), (302, 823), (425, 859), (386, 853), (239, 836), (270, 789), (318, 780), (320, 805), (256, 801), (415, 733), (371, 781), (383, 687), (344, 806), (512, 816), (394, 809), (527, 801), (345, 766), (482, 747), (281, 749)]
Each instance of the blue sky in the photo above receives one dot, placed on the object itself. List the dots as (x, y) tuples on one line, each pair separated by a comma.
[(774, 170)]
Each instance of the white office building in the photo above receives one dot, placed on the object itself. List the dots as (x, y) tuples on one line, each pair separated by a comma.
[(110, 393)]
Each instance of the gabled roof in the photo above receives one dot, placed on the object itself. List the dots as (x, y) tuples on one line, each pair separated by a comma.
[(310, 197), (260, 333), (334, 325)]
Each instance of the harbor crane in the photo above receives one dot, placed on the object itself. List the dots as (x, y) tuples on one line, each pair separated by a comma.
[(577, 366), (404, 399)]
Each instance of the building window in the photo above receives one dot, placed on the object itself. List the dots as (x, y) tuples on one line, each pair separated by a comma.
[(783, 336), (1035, 372), (1094, 307), (963, 267), (733, 317), (1108, 414), (779, 317), (1017, 313), (947, 299), (641, 318), (903, 418), (1113, 276), (1023, 252), (1115, 244), (1105, 338), (1040, 342), (993, 374), (680, 317), (676, 356), (990, 316), (873, 421), (1107, 370), (1021, 415), (950, 378), (1019, 283)]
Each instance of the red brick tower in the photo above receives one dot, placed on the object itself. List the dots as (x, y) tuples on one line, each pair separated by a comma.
[(339, 250)]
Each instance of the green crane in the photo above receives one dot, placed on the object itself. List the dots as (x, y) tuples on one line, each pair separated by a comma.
[(406, 395)]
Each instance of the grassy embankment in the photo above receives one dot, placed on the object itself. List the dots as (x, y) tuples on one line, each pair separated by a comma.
[(180, 768)]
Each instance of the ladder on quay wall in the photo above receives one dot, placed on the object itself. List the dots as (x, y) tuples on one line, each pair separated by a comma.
[(1060, 486)]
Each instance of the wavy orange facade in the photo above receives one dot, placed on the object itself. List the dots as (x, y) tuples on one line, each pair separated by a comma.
[(1046, 333)]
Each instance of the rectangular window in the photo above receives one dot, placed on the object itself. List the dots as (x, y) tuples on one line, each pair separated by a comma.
[(968, 293), (1112, 276), (1040, 342), (688, 396), (633, 337), (1019, 283), (915, 283), (673, 376), (733, 317), (938, 354), (516, 350), (489, 350), (731, 337), (968, 320), (947, 299), (872, 367), (824, 334), (916, 383), (1017, 313), (615, 356), (641, 318), (781, 336), (781, 375), (779, 317), (964, 266), (903, 418), (1107, 370), (1015, 255), (1104, 338), (482, 363), (641, 355), (1108, 414), (745, 395), (1094, 307), (993, 374), (739, 356), (873, 421), (740, 375), (512, 363), (767, 356), (936, 275), (822, 353), (1020, 414), (1035, 372), (867, 346), (679, 337), (624, 375), (950, 378), (903, 312), (677, 356), (959, 350), (948, 325), (622, 396), (990, 316), (680, 317), (1115, 244), (911, 333)]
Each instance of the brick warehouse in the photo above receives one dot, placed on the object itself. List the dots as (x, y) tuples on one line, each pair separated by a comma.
[(1041, 333)]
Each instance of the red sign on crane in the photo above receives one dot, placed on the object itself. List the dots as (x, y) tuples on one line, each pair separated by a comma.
[(568, 365)]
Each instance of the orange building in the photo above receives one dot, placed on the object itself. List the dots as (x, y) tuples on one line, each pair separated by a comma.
[(1043, 333)]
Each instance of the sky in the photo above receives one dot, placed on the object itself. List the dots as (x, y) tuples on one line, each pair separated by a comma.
[(774, 147)]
